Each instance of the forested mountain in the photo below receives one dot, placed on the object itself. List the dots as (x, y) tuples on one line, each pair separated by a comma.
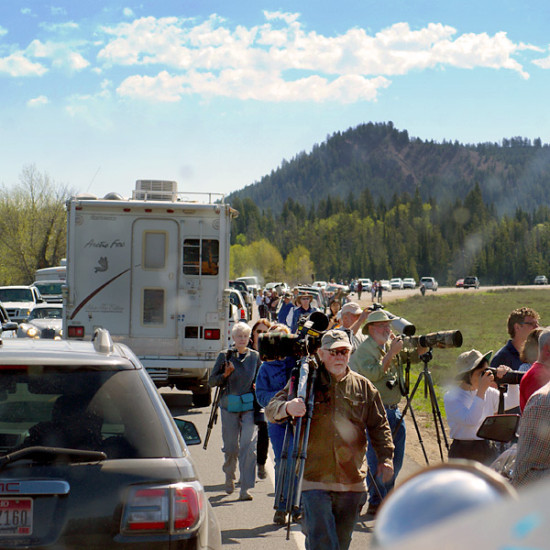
[(386, 161), (371, 202)]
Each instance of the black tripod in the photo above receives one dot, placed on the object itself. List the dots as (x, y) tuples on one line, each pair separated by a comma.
[(426, 375)]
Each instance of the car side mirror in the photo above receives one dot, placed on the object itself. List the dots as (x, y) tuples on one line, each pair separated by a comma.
[(499, 427), (188, 431)]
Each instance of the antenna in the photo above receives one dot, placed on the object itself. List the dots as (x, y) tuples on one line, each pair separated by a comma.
[(92, 180)]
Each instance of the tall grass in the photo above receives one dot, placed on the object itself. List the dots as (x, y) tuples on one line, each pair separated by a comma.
[(481, 316)]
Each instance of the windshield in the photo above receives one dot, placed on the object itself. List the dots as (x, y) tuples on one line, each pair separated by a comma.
[(48, 288), (16, 295), (87, 410), (46, 313)]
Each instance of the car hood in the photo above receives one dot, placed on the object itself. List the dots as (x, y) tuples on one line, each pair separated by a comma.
[(11, 305)]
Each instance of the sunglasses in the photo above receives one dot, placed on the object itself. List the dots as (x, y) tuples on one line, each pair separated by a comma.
[(340, 351)]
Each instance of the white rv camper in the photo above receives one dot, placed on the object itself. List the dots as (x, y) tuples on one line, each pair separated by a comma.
[(153, 270)]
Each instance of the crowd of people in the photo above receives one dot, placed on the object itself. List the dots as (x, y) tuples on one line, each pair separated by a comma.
[(357, 436)]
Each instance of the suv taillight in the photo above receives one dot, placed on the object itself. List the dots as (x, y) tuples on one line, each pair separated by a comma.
[(75, 332), (175, 508)]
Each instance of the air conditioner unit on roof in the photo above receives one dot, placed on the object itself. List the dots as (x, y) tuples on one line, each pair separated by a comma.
[(156, 190)]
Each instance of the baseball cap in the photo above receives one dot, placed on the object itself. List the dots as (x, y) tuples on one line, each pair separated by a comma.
[(333, 339)]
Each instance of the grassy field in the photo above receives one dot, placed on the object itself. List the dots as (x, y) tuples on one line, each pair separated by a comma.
[(480, 316)]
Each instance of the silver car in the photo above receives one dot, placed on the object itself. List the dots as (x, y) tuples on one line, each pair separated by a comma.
[(89, 454)]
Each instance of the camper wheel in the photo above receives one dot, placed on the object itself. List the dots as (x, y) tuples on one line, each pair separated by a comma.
[(202, 399)]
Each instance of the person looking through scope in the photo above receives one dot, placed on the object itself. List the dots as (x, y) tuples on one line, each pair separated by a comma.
[(374, 359), (345, 405), (474, 398)]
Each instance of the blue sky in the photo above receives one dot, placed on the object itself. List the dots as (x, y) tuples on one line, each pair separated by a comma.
[(216, 94)]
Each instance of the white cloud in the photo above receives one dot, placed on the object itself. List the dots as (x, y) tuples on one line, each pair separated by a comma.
[(128, 12), (17, 64), (543, 63), (3, 31), (38, 101), (62, 55)]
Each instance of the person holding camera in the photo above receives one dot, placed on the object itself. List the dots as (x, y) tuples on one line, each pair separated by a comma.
[(235, 370), (346, 405), (474, 398), (376, 359), (303, 309)]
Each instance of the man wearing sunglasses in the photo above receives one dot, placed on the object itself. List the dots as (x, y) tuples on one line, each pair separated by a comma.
[(346, 405)]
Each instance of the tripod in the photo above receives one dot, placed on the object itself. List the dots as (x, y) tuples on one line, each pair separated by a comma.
[(426, 375)]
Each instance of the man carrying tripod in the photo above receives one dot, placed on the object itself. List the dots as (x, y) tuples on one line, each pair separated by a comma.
[(345, 405)]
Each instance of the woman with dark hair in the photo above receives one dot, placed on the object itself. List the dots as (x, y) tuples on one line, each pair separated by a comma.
[(334, 319), (261, 326), (471, 401)]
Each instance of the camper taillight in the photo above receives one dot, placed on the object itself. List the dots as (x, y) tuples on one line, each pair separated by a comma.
[(75, 332), (211, 333)]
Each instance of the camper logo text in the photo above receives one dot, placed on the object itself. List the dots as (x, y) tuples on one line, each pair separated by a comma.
[(105, 244)]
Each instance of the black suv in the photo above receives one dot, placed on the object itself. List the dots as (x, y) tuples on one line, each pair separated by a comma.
[(89, 454), (471, 282)]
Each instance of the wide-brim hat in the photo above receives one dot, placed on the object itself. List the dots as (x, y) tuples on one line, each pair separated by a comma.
[(377, 316), (301, 294), (470, 360)]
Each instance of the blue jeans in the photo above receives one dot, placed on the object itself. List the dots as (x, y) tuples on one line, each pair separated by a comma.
[(394, 415), (329, 518)]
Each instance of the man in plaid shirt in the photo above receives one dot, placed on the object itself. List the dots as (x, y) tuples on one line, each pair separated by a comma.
[(533, 455)]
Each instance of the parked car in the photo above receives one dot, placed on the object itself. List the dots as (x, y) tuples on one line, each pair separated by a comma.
[(246, 293), (7, 325), (429, 283), (409, 282), (459, 283), (253, 283), (396, 283), (50, 290), (19, 300), (45, 321), (471, 282), (236, 298), (320, 284), (90, 456), (541, 280), (385, 285)]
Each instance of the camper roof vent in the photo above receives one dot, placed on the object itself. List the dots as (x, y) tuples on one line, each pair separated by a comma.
[(156, 190)]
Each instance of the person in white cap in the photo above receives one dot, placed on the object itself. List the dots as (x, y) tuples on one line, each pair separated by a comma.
[(471, 401), (375, 359), (353, 316), (346, 406)]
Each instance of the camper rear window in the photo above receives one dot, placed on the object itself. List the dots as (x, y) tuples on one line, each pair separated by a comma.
[(201, 257)]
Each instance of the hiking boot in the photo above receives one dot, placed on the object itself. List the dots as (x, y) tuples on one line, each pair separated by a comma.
[(245, 495), (262, 474), (372, 510)]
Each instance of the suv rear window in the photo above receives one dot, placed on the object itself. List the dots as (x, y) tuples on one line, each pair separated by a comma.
[(86, 409)]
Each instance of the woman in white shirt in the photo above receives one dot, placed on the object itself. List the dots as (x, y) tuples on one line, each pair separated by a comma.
[(474, 398)]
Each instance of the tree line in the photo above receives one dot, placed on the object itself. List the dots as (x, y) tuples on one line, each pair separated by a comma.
[(342, 239)]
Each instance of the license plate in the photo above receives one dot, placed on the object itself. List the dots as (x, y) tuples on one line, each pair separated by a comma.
[(15, 517)]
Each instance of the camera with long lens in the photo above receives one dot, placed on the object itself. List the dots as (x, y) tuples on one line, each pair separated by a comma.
[(442, 339), (511, 377), (306, 341)]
